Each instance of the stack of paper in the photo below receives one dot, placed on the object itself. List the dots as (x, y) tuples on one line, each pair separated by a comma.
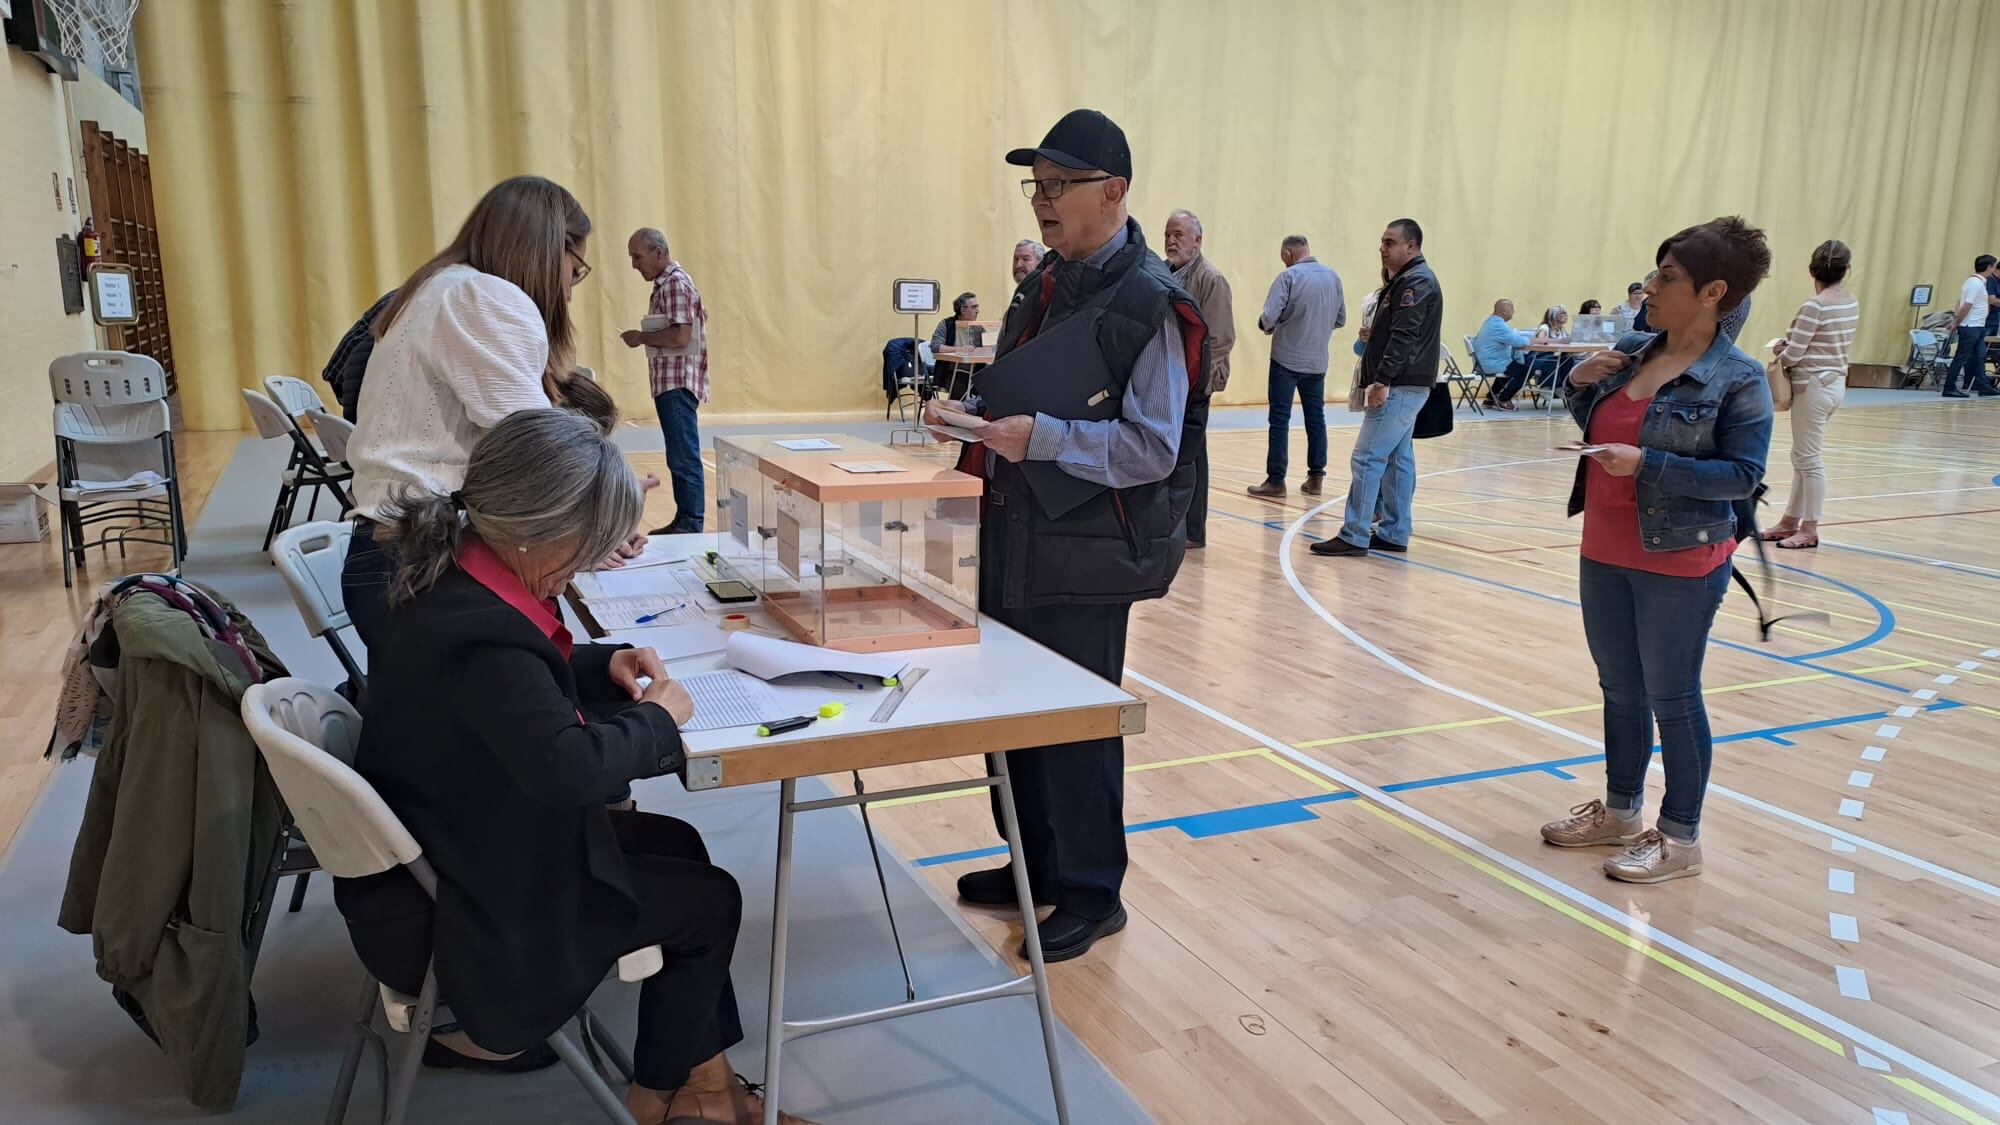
[(145, 478), (768, 658)]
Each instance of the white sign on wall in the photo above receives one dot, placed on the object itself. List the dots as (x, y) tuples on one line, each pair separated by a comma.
[(111, 300)]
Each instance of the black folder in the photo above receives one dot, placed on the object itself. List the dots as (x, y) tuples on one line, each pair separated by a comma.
[(1060, 373)]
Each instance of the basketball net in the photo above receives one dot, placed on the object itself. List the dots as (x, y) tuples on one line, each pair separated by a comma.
[(106, 23)]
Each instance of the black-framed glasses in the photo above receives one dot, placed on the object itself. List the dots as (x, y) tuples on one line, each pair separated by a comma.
[(1054, 186)]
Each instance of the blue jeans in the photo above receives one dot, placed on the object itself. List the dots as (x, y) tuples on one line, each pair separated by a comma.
[(1311, 390), (680, 425), (1384, 469), (1648, 633), (1972, 358)]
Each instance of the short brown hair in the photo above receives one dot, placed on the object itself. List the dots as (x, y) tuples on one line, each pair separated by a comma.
[(1728, 250), (1831, 261)]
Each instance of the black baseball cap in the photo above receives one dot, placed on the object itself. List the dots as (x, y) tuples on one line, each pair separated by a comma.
[(1084, 139)]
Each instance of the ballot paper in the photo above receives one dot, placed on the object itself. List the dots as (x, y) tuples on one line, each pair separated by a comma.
[(655, 554), (660, 609), (729, 699), (675, 642), (869, 467), (806, 445), (768, 658)]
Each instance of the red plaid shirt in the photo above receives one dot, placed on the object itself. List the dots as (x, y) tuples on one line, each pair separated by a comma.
[(675, 298)]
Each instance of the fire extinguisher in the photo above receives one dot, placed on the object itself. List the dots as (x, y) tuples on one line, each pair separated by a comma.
[(87, 238)]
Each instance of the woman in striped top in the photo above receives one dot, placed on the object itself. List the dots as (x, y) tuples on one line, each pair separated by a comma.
[(1814, 353)]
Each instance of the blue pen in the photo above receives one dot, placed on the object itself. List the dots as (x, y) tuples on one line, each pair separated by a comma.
[(645, 617)]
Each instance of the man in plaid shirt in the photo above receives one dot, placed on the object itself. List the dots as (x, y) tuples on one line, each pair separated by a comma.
[(675, 335)]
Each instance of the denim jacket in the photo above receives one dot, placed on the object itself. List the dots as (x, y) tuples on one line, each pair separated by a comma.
[(1703, 443)]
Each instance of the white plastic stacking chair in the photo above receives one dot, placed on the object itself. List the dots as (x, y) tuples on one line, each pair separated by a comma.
[(334, 432), (308, 736), (310, 557), (306, 470), (111, 423)]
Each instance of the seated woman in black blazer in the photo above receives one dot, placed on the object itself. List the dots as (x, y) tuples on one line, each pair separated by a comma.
[(476, 736)]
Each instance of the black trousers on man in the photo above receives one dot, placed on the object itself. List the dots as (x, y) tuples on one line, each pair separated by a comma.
[(1197, 517), (1071, 798)]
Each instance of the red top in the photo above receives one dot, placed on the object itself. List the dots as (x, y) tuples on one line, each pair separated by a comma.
[(485, 567), (1611, 504)]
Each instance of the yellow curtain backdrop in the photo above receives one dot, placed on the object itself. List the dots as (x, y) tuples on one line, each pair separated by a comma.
[(800, 154)]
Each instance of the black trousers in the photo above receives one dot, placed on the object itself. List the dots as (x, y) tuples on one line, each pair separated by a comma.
[(1071, 798), (691, 909), (364, 581), (1197, 517)]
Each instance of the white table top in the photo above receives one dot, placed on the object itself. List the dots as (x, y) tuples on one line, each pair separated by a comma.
[(1004, 693)]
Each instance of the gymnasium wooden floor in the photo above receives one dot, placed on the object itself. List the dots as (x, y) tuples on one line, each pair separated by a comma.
[(1340, 907)]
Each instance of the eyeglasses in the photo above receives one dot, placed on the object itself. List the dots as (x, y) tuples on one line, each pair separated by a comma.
[(582, 269), (1053, 187)]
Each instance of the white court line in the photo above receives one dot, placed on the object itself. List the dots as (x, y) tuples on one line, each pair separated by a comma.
[(1842, 846), (1991, 653), (1947, 679), (1925, 559), (1925, 694), (1396, 664), (1905, 711), (1969, 666), (1851, 808), (1840, 881), (1874, 754), (1853, 982), (1890, 1116), (1888, 730), (1637, 927), (1843, 927), (1870, 1061), (1860, 779)]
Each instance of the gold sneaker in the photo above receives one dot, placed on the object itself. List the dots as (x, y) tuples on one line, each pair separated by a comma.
[(1654, 858), (1590, 825)]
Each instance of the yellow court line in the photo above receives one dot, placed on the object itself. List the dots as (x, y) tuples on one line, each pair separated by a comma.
[(1987, 711), (1938, 1100), (1623, 937), (1294, 767)]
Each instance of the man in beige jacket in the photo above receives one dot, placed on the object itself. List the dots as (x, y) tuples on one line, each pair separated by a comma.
[(1210, 290)]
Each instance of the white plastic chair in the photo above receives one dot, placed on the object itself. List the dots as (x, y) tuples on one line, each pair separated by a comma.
[(334, 434), (308, 736), (1926, 361), (306, 470), (310, 558), (111, 423)]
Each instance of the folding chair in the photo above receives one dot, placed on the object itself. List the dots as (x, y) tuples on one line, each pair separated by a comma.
[(111, 426), (1468, 385), (334, 434), (308, 736), (1926, 362), (307, 469), (310, 558), (916, 390)]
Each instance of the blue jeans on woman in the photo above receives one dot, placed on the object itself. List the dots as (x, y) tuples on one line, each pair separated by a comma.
[(1648, 633), (681, 426)]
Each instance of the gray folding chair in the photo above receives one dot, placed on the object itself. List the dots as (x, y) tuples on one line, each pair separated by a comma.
[(308, 736), (1468, 385), (111, 426)]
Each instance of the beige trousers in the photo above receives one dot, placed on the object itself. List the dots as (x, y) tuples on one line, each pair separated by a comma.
[(1813, 404)]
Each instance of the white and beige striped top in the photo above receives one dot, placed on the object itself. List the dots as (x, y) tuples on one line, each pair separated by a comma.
[(1821, 334)]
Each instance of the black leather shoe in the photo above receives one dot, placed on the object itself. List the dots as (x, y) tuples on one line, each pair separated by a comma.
[(1956, 394), (1315, 482), (992, 887), (1338, 548), (1377, 543), (1066, 935), (1197, 544)]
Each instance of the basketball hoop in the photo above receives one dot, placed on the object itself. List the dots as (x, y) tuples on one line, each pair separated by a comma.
[(105, 23)]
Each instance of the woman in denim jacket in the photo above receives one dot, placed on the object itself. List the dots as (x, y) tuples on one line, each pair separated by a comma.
[(1679, 426)]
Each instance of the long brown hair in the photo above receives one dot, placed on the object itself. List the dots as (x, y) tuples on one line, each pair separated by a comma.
[(522, 230)]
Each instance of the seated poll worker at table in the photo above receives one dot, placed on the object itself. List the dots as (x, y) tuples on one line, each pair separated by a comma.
[(1068, 581), (477, 738)]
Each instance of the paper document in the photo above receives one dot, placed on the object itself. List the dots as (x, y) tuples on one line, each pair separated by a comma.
[(655, 554), (675, 642), (869, 467), (768, 658), (662, 609), (802, 445), (628, 583), (1578, 448), (960, 425), (729, 699)]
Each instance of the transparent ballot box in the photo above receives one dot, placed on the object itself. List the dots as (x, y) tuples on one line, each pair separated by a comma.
[(862, 547)]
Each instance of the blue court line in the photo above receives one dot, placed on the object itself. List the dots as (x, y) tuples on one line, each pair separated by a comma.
[(1297, 810), (1805, 661), (1885, 618)]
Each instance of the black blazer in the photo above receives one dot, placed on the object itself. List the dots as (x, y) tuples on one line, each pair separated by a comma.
[(471, 736)]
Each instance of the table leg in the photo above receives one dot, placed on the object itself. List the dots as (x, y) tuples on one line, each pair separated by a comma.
[(1031, 937), (781, 910)]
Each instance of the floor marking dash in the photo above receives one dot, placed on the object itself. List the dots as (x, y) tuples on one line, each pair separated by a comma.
[(1840, 881), (1869, 1061), (1888, 730), (1891, 1117), (1843, 927), (1843, 846), (1860, 779), (1853, 982), (1874, 754), (1851, 808), (1925, 693), (1969, 666), (1991, 653), (1905, 711), (1947, 679)]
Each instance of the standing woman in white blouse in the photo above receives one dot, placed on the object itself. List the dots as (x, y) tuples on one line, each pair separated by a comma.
[(476, 333), (1814, 353)]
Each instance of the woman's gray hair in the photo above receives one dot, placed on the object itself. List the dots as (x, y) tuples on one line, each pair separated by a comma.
[(539, 477)]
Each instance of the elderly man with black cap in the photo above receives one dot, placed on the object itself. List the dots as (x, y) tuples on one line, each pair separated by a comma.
[(1068, 579)]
